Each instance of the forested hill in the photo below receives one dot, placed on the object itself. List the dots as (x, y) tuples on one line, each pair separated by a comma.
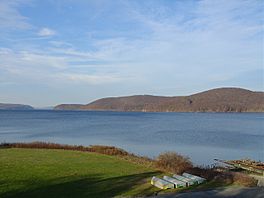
[(5, 106), (215, 100)]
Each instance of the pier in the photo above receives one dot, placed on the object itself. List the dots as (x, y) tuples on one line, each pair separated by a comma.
[(246, 164)]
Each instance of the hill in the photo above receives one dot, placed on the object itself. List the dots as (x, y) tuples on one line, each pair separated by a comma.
[(4, 106), (215, 100)]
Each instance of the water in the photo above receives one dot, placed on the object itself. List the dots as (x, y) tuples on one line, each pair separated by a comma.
[(201, 136)]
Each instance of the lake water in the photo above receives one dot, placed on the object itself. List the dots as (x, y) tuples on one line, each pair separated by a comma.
[(201, 136)]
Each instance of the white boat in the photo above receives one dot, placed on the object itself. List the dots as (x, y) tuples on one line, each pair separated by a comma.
[(196, 178), (160, 183), (189, 182), (177, 183)]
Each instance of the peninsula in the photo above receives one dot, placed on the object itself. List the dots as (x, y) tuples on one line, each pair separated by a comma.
[(5, 106), (214, 100)]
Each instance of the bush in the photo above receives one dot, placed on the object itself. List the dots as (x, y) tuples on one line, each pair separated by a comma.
[(173, 162), (224, 177), (207, 173), (108, 150), (244, 180)]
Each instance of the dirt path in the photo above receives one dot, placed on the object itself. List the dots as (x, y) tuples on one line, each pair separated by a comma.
[(230, 192)]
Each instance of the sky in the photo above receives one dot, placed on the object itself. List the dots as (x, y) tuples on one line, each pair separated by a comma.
[(76, 51)]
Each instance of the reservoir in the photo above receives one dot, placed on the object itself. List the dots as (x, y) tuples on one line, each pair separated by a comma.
[(201, 136)]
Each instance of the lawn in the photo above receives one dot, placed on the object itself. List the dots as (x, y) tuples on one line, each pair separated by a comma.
[(59, 173)]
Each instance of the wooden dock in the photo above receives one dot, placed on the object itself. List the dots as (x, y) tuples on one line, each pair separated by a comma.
[(246, 164)]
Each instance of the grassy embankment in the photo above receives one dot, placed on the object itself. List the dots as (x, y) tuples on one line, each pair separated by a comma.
[(53, 170), (58, 173)]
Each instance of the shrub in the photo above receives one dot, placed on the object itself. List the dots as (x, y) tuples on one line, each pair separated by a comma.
[(173, 162), (224, 177), (207, 173), (108, 150), (244, 180)]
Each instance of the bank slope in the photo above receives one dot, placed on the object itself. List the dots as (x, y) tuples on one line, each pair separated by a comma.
[(59, 173)]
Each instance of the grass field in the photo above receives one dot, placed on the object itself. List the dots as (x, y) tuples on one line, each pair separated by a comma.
[(58, 173), (55, 173)]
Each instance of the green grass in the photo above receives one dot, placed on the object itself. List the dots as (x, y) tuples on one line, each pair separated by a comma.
[(54, 173), (58, 173)]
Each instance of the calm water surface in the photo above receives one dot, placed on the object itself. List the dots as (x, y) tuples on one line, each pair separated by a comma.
[(201, 136)]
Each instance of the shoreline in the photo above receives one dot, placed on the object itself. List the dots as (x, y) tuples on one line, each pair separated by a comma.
[(50, 156), (118, 111)]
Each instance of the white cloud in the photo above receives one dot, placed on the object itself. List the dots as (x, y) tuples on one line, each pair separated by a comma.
[(25, 66), (46, 32), (28, 66), (89, 79), (176, 54), (10, 18)]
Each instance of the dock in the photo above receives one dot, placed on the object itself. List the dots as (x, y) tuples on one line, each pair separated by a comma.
[(246, 164)]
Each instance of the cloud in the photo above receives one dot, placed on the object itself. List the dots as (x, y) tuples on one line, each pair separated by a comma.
[(10, 18), (28, 66), (89, 79), (46, 32), (30, 60), (45, 68), (158, 48)]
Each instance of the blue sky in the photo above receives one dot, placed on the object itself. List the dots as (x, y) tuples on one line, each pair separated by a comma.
[(75, 51)]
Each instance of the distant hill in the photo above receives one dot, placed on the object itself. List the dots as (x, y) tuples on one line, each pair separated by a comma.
[(4, 106), (215, 100)]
